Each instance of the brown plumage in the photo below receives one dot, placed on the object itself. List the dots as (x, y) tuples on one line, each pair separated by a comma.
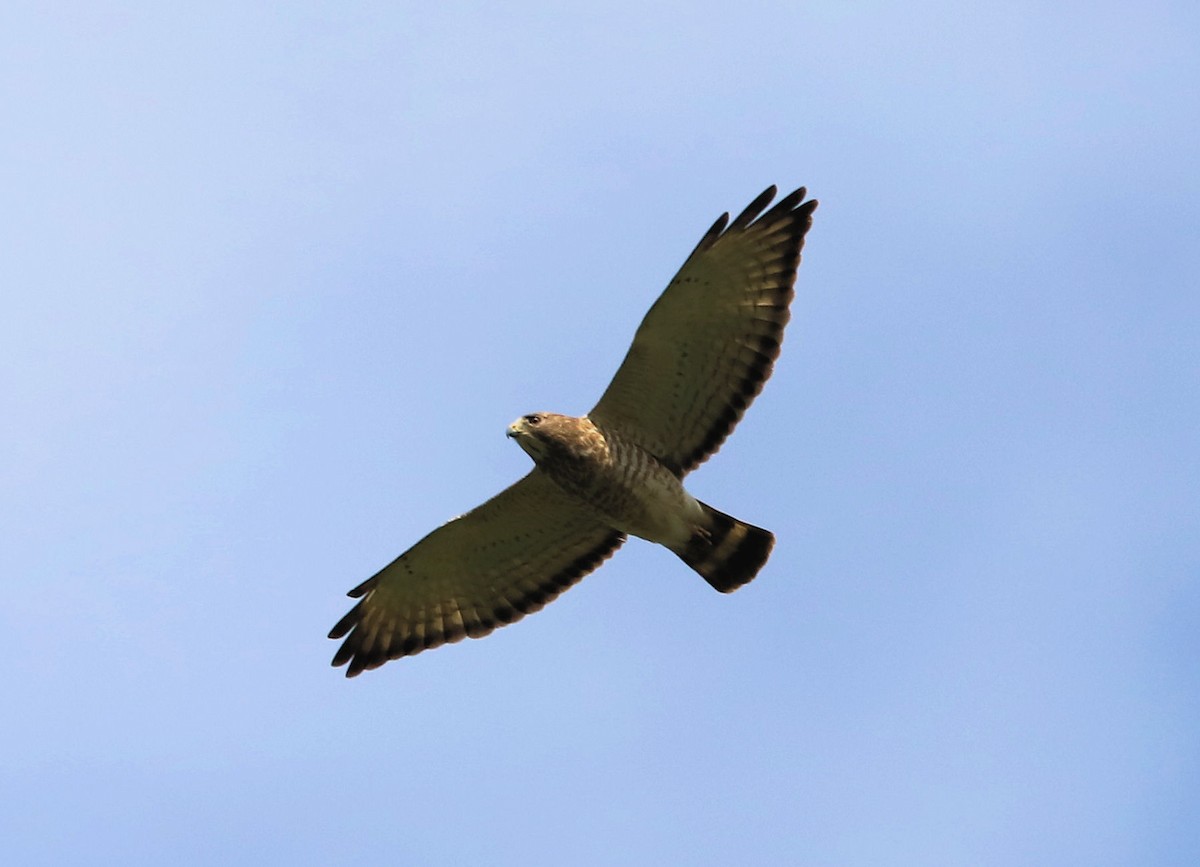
[(698, 360)]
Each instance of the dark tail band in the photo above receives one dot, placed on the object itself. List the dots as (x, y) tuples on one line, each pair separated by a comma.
[(727, 553)]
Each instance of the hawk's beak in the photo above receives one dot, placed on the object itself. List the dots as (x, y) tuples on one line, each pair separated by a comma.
[(513, 430)]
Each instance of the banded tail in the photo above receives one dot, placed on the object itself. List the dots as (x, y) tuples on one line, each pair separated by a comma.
[(727, 553)]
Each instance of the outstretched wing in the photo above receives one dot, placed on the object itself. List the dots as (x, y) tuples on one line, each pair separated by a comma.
[(487, 568), (709, 343)]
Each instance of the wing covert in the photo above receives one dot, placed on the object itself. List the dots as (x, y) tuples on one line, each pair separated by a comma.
[(707, 345)]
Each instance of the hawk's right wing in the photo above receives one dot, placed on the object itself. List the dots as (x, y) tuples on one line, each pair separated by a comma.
[(487, 568)]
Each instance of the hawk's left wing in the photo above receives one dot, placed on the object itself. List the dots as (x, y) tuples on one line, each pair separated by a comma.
[(487, 568), (709, 343)]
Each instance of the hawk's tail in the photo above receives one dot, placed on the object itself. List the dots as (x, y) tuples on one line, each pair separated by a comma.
[(727, 552)]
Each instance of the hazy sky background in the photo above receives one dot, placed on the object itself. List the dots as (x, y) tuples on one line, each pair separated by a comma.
[(276, 277)]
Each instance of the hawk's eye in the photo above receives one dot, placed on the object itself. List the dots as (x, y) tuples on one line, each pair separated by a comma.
[(533, 419)]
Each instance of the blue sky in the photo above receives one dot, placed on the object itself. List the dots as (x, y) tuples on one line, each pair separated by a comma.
[(276, 277)]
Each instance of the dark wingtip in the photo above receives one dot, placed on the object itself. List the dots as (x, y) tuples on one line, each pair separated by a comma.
[(746, 217), (348, 621), (712, 234)]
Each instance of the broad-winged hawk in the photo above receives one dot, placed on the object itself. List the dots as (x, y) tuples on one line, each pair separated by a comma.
[(698, 359)]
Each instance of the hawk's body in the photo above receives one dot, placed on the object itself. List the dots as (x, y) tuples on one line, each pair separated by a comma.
[(698, 359), (628, 487)]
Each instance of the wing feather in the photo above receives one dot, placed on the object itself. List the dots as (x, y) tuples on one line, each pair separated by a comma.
[(709, 343), (489, 567)]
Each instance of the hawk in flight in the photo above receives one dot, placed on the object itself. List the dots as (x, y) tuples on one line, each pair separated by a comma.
[(698, 359)]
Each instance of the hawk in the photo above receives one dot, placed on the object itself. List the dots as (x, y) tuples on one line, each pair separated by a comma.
[(698, 359)]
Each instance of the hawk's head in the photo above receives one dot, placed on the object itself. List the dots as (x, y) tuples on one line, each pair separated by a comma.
[(550, 437)]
